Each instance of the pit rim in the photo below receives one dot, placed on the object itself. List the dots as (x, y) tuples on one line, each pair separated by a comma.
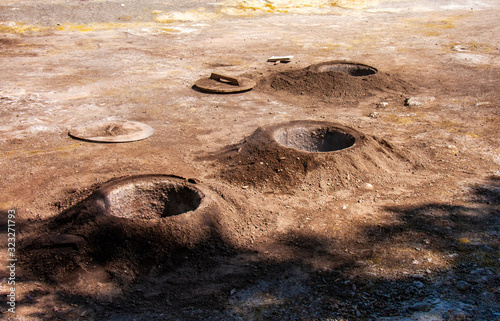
[(359, 138), (319, 68), (103, 192)]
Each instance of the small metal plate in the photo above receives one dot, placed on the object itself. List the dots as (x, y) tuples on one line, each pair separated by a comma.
[(112, 131), (220, 86)]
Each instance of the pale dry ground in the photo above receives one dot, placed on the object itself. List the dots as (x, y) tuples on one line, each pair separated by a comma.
[(66, 63)]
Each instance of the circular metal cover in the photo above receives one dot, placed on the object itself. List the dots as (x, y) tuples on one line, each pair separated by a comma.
[(210, 85), (117, 131)]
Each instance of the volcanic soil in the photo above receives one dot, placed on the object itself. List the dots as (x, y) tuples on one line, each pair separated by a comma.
[(359, 181)]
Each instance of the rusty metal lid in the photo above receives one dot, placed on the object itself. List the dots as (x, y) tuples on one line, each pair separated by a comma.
[(222, 84), (115, 131)]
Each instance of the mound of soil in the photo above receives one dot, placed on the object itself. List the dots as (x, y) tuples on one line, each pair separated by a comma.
[(335, 79), (107, 230), (264, 160)]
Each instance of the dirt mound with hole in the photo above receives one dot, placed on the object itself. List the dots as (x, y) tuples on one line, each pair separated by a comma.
[(315, 139), (337, 79), (264, 160), (151, 197), (109, 232)]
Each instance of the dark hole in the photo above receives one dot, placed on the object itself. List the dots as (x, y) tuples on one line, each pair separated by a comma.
[(180, 200), (151, 200), (314, 139), (356, 70)]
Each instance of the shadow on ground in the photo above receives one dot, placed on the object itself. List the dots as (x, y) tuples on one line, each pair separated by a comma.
[(433, 261)]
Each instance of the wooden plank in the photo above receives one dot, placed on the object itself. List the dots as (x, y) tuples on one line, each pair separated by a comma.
[(231, 80), (280, 59)]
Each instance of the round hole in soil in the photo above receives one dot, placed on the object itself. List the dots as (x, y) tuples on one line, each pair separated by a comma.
[(357, 70), (321, 139), (151, 199)]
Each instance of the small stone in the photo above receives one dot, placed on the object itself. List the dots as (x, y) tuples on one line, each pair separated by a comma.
[(421, 306), (245, 187), (418, 284), (463, 286), (367, 186), (460, 48), (382, 104), (374, 115), (418, 101), (455, 315)]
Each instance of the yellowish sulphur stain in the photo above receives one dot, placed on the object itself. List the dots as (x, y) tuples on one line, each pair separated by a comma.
[(471, 135), (22, 28), (74, 27), (39, 151), (471, 47), (435, 24), (19, 28), (190, 15), (464, 240), (399, 119)]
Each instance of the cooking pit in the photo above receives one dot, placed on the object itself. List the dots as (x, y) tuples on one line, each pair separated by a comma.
[(352, 69), (150, 197), (315, 137), (347, 81), (309, 153)]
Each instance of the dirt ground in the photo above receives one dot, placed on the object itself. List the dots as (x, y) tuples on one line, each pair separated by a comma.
[(402, 225)]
